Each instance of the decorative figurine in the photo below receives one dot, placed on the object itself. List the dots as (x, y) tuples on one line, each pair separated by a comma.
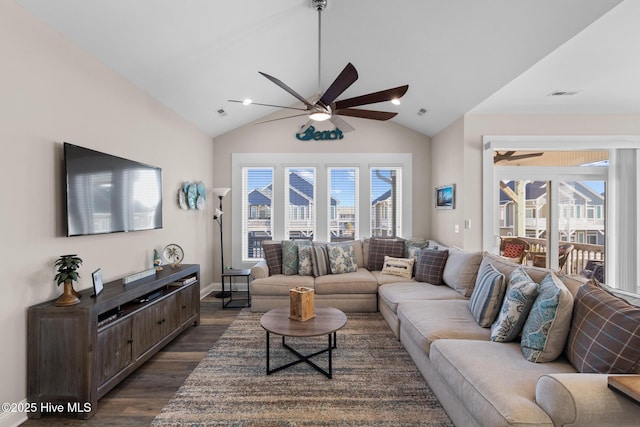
[(156, 260)]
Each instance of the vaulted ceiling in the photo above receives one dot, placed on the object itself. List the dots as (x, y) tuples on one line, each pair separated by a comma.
[(487, 56)]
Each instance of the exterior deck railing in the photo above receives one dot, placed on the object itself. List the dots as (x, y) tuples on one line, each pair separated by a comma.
[(577, 259)]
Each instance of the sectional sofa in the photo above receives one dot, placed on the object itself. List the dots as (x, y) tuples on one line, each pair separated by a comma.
[(500, 344)]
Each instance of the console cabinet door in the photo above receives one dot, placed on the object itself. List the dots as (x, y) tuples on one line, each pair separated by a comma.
[(114, 344), (152, 324), (188, 303)]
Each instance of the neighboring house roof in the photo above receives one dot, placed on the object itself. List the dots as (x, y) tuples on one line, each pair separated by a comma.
[(537, 189), (300, 193), (383, 197)]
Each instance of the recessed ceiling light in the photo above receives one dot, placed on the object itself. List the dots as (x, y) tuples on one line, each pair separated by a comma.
[(247, 101), (564, 92), (395, 101)]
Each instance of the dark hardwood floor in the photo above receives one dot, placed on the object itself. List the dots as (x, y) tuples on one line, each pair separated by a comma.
[(140, 397)]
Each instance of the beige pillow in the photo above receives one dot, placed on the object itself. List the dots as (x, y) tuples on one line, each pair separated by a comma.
[(402, 267), (461, 270)]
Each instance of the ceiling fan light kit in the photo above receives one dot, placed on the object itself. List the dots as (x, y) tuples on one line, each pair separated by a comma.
[(327, 107)]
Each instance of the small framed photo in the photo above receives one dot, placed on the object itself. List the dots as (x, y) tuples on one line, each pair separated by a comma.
[(97, 282), (446, 197)]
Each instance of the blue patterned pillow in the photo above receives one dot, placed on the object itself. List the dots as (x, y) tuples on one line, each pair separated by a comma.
[(305, 265), (290, 250), (545, 332), (520, 295), (342, 258), (487, 295)]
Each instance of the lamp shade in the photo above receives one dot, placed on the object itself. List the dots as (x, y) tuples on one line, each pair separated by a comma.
[(220, 192), (217, 214)]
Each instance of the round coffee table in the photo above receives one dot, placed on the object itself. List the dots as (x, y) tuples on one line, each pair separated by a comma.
[(328, 321)]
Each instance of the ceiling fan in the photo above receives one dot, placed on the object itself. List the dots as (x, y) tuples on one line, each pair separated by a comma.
[(326, 106), (510, 156)]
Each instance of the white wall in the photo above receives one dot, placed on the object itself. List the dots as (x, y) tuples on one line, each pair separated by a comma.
[(51, 92), (370, 136)]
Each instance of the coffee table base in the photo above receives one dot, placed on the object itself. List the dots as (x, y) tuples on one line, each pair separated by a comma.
[(331, 344)]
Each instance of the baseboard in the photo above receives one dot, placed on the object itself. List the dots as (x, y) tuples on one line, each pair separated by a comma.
[(217, 287), (13, 419)]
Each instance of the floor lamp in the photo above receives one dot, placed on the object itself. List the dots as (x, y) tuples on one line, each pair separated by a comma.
[(217, 216)]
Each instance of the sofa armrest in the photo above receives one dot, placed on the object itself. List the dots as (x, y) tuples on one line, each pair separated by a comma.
[(584, 400), (260, 270)]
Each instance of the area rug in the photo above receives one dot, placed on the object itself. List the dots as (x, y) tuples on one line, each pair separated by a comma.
[(375, 382)]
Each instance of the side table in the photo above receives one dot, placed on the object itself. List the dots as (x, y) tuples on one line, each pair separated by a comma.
[(628, 385), (231, 275)]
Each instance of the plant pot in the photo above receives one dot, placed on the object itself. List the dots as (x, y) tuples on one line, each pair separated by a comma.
[(68, 296)]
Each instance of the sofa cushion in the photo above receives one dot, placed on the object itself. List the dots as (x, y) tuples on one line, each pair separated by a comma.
[(544, 334), (461, 270), (319, 260), (487, 295), (424, 322), (518, 299), (358, 282), (394, 293), (430, 266), (273, 255), (505, 266), (279, 284), (383, 279), (493, 381), (379, 248), (359, 253), (402, 267), (342, 258), (605, 333), (305, 263)]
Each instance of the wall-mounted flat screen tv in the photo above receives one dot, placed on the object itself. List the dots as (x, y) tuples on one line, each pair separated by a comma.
[(109, 194)]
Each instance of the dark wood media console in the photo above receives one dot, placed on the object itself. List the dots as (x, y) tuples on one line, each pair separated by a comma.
[(77, 354)]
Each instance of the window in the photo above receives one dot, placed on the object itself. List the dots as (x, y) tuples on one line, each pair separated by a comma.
[(257, 185), (343, 202), (300, 202), (386, 202), (324, 197)]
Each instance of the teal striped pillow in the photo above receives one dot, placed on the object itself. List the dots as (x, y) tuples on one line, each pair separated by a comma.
[(320, 260), (487, 295)]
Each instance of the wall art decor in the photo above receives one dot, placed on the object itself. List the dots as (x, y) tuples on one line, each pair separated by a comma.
[(445, 197)]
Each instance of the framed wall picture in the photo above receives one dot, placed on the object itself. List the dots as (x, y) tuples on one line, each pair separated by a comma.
[(97, 282), (446, 197)]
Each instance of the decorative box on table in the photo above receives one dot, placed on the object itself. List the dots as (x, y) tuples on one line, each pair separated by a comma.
[(302, 303)]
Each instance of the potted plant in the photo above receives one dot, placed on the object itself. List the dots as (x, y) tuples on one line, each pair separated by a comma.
[(67, 274)]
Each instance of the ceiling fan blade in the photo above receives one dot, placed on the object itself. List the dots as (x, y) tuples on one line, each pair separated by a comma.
[(366, 114), (288, 89), (372, 98), (525, 156), (346, 78), (341, 124), (279, 118), (269, 105)]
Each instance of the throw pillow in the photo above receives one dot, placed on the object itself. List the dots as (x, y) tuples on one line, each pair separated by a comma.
[(461, 270), (305, 264), (605, 333), (402, 267), (273, 255), (512, 250), (487, 295), (379, 248), (518, 300), (320, 260), (412, 248), (430, 266), (289, 257), (342, 258), (545, 332)]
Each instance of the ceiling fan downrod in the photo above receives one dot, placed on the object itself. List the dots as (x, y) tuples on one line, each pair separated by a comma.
[(319, 5)]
